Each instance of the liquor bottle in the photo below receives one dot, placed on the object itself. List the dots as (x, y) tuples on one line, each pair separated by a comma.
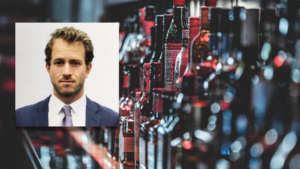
[(155, 119), (126, 107), (125, 85), (166, 24), (136, 111), (181, 59), (158, 107), (202, 63), (161, 154), (146, 112), (129, 143), (194, 29), (121, 80), (158, 38), (173, 42), (133, 52), (197, 148), (178, 126), (147, 46)]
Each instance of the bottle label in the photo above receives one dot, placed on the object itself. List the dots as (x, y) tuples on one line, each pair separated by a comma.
[(171, 52), (144, 119), (121, 144), (185, 42), (160, 149), (157, 103), (128, 144), (106, 135), (179, 2), (151, 154), (136, 130), (142, 149)]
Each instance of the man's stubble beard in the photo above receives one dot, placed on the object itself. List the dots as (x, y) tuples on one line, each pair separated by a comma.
[(68, 93)]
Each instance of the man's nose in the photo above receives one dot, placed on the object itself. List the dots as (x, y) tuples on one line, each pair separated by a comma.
[(67, 70)]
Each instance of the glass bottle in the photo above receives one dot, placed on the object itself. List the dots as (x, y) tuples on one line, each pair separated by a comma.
[(137, 107), (129, 143), (159, 117), (155, 119), (194, 28), (158, 38), (173, 42), (181, 59), (166, 24), (178, 126), (161, 154), (146, 111)]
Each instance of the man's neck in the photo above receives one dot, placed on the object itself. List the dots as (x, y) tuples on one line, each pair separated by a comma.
[(69, 100)]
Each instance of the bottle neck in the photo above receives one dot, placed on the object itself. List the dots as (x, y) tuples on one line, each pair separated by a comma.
[(178, 14), (159, 40)]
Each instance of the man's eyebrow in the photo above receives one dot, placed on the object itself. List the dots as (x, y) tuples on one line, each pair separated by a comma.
[(75, 60)]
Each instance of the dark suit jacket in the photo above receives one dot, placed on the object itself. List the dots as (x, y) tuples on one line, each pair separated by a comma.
[(36, 115)]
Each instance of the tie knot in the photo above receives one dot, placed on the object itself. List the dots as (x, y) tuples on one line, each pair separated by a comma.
[(67, 110)]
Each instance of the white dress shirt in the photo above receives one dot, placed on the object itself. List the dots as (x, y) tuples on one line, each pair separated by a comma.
[(56, 115)]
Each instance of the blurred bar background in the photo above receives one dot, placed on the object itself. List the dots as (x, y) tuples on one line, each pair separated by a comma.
[(63, 147)]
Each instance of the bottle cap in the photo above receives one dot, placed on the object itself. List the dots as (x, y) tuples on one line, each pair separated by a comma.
[(179, 2), (194, 21), (150, 13), (159, 20)]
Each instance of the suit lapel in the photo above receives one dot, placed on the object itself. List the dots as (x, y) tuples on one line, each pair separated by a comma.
[(91, 114), (41, 114)]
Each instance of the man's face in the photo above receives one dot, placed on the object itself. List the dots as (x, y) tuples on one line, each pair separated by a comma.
[(68, 69)]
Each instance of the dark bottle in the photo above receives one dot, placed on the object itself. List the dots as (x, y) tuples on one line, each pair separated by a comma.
[(125, 85), (147, 57), (147, 46), (173, 42), (146, 110), (181, 59), (121, 81), (126, 107), (161, 154), (178, 126), (155, 119), (166, 24), (202, 63), (158, 111), (129, 143), (197, 149), (136, 112), (194, 29), (158, 38)]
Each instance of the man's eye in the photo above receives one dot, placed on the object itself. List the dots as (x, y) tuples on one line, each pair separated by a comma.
[(75, 63), (58, 63)]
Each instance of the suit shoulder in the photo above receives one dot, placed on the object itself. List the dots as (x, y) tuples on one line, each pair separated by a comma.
[(111, 114)]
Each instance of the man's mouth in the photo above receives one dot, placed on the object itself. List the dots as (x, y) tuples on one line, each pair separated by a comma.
[(66, 82)]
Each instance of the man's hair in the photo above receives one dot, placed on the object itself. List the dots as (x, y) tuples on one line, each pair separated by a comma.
[(71, 35)]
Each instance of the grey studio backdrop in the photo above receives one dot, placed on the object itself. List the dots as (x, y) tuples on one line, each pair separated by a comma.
[(32, 79)]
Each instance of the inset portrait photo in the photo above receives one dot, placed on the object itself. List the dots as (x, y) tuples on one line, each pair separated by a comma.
[(67, 74)]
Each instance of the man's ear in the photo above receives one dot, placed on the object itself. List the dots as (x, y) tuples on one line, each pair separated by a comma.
[(48, 68), (88, 69)]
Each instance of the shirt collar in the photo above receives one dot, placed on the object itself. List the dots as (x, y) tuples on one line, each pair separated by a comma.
[(77, 106)]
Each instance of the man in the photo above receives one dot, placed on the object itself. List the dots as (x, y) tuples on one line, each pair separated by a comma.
[(69, 54)]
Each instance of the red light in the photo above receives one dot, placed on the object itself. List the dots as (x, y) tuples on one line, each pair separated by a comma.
[(278, 61), (187, 145)]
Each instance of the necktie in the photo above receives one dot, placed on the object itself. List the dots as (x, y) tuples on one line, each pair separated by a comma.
[(67, 121)]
